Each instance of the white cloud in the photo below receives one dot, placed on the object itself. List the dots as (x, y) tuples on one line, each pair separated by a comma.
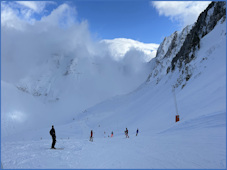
[(17, 13), (29, 48), (63, 15), (36, 6), (184, 12), (19, 17), (9, 17), (118, 47), (24, 42), (31, 5)]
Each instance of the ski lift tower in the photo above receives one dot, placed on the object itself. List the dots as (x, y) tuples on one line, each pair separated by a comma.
[(175, 100)]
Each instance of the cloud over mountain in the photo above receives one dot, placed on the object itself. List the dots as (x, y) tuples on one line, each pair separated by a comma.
[(56, 60)]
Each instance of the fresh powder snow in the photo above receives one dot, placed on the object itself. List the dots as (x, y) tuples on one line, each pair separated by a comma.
[(197, 141)]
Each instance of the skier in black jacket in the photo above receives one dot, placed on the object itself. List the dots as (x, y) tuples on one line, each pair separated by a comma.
[(52, 133), (126, 133)]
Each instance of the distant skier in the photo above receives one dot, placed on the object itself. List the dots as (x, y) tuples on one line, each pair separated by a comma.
[(111, 134), (137, 131), (126, 133), (91, 137), (52, 133)]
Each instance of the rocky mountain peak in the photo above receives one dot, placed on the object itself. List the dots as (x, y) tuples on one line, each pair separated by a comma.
[(205, 23), (180, 48)]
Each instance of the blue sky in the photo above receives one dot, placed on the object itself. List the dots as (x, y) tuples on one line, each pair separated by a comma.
[(125, 19), (141, 20), (134, 19)]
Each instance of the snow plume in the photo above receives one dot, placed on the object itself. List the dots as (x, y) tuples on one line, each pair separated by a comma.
[(58, 67)]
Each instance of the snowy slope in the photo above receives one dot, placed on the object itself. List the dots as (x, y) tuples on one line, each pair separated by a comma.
[(197, 141)]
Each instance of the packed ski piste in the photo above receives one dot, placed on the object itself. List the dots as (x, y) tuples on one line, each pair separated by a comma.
[(176, 119)]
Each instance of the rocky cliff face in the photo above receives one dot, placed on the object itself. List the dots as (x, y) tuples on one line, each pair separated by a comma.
[(205, 23), (166, 52), (178, 50)]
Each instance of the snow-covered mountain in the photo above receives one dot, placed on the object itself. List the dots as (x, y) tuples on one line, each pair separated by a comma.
[(181, 48), (166, 52), (118, 47), (192, 61)]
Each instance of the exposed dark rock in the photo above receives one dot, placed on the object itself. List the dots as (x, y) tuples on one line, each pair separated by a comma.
[(205, 23)]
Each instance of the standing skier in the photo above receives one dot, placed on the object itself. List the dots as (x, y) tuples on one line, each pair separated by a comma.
[(111, 134), (52, 133), (91, 137), (126, 133), (137, 131)]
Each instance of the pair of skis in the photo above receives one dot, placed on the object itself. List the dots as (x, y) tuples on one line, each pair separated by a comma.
[(57, 148)]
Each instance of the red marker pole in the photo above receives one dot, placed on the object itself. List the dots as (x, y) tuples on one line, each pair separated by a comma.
[(175, 100)]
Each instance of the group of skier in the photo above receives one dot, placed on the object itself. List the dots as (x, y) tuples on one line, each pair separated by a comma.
[(126, 134), (53, 135)]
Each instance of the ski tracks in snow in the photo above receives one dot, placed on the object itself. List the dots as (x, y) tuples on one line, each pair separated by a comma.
[(199, 143)]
